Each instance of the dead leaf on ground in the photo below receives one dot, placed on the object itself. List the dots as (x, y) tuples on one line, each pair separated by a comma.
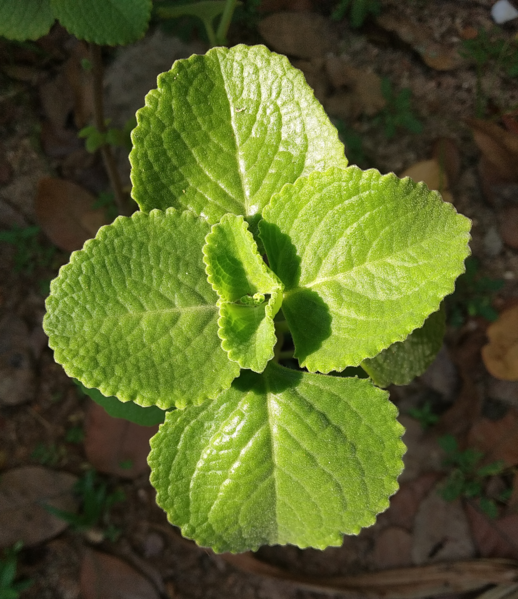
[(116, 446), (106, 577), (447, 154), (17, 381), (497, 439), (299, 34), (432, 174), (441, 57), (441, 531), (405, 503), (81, 84), (359, 91), (57, 112), (65, 212), (508, 218), (23, 493), (393, 548), (494, 538), (500, 355)]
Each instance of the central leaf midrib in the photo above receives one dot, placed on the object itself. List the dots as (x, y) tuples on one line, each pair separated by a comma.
[(241, 172), (146, 312)]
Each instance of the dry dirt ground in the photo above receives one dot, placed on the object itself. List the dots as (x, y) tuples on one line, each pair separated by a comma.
[(458, 131)]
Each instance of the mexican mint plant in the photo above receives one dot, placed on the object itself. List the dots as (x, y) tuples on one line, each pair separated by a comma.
[(251, 222)]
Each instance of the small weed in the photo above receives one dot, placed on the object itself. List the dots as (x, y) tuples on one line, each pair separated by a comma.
[(95, 139), (467, 478), (30, 254), (398, 111), (126, 464), (358, 10), (424, 415), (106, 200), (9, 589), (75, 434), (48, 455), (96, 502), (472, 296)]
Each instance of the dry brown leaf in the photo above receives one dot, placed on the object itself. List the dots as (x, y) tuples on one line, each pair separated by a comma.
[(17, 383), (500, 355), (106, 577), (81, 84), (393, 548), (508, 219), (65, 212), (441, 531), (116, 446), (299, 34), (441, 57), (497, 439), (362, 87), (446, 152), (23, 493), (430, 173), (494, 538)]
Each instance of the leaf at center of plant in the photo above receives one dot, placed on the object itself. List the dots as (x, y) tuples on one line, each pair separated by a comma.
[(250, 293)]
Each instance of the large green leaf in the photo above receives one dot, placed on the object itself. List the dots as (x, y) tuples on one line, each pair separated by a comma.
[(281, 457), (104, 22), (242, 280), (404, 360), (364, 259), (133, 315), (25, 19), (128, 410), (225, 131)]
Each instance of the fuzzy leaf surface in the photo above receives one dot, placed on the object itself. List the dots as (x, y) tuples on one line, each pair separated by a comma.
[(25, 19), (250, 293), (133, 315), (225, 131), (282, 457), (364, 259), (404, 360), (104, 22)]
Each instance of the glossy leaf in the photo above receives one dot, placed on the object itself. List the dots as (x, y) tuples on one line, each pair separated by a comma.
[(25, 19), (133, 315), (225, 131), (404, 360), (282, 457), (364, 259), (104, 22), (129, 410), (250, 293)]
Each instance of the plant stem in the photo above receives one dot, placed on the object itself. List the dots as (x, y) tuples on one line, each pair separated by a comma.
[(286, 355), (210, 33), (224, 24), (106, 152), (281, 326)]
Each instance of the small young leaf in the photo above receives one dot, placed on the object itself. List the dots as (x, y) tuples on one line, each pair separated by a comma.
[(240, 277), (25, 19), (225, 131), (104, 22), (364, 259), (133, 315), (127, 410), (404, 360), (281, 457)]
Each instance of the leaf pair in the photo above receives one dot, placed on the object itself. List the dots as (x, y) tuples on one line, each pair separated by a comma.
[(111, 22), (231, 153)]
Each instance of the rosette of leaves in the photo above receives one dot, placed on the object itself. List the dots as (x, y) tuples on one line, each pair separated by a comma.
[(110, 22), (249, 215)]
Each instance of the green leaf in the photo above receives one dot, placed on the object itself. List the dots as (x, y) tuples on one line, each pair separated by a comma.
[(104, 22), (281, 457), (209, 9), (240, 277), (404, 360), (225, 131), (128, 411), (133, 315), (25, 19), (364, 259)]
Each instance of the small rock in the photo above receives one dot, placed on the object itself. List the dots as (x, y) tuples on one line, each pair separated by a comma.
[(493, 243), (153, 545), (503, 11)]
